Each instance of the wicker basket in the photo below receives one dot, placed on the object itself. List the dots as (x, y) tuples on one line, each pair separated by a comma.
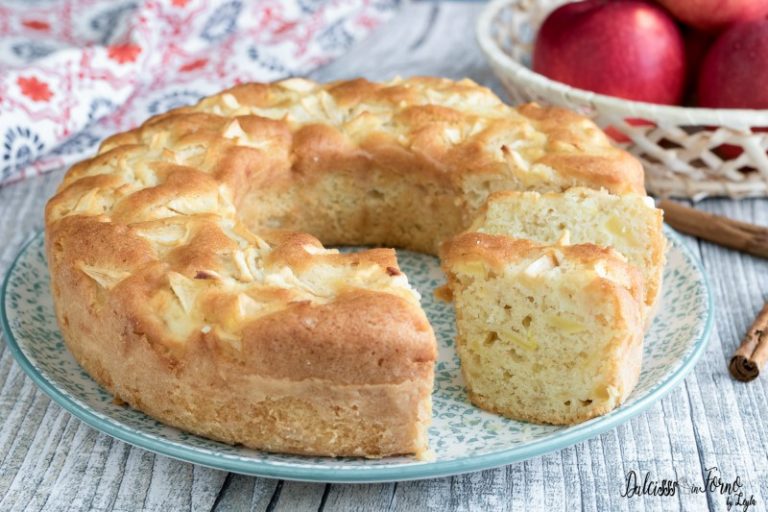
[(679, 145)]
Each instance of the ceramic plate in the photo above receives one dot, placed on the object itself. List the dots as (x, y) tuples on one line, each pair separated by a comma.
[(462, 437)]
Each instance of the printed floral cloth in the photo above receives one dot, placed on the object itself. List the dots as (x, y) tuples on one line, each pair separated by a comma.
[(75, 71)]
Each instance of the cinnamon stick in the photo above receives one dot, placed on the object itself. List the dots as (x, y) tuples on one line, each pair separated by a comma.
[(750, 357), (734, 234)]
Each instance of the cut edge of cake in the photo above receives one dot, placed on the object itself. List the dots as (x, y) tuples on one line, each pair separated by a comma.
[(546, 333)]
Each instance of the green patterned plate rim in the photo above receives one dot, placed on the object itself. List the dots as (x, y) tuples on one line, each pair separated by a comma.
[(463, 437)]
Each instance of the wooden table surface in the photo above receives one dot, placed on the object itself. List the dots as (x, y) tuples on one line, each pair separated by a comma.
[(51, 461)]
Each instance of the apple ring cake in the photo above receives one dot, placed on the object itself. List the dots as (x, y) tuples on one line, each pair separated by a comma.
[(189, 275)]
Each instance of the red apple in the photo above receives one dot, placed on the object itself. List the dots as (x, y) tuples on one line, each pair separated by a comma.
[(728, 151), (626, 48), (734, 73), (716, 15), (697, 44)]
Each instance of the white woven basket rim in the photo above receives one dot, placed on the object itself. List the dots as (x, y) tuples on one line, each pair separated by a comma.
[(628, 108)]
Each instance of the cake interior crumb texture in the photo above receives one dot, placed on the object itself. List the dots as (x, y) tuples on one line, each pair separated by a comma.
[(551, 336)]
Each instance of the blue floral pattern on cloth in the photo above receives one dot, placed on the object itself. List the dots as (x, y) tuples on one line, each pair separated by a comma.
[(462, 436), (31, 50), (20, 146), (108, 22), (222, 22)]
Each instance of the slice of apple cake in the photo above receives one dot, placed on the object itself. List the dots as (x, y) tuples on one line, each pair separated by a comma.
[(546, 333)]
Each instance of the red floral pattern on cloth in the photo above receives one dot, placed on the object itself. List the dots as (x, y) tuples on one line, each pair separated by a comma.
[(123, 53), (36, 25), (74, 71), (34, 89)]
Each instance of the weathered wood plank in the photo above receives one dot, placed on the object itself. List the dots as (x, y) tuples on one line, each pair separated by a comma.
[(350, 497), (427, 495), (729, 415), (426, 38), (247, 493), (300, 496)]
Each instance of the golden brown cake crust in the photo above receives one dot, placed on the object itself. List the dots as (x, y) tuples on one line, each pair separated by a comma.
[(184, 280), (498, 252)]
